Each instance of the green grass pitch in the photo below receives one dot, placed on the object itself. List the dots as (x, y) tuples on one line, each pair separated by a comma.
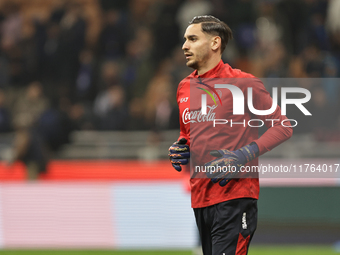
[(255, 250)]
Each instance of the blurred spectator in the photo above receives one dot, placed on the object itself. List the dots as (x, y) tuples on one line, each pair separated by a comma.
[(109, 75), (11, 27), (110, 107), (72, 41), (81, 116), (313, 60), (333, 26), (113, 36), (136, 119), (29, 145), (84, 88), (138, 65), (48, 48), (241, 16), (139, 14), (4, 70), (166, 26), (333, 18), (236, 13), (292, 16), (190, 9), (159, 110), (11, 37), (273, 63), (5, 117), (30, 104)]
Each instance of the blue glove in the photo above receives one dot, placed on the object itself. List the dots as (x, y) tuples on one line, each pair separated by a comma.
[(179, 154), (228, 163)]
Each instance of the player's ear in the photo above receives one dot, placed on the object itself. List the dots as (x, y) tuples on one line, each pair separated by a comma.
[(215, 43)]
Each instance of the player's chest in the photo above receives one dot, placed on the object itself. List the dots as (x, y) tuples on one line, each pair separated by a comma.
[(199, 106)]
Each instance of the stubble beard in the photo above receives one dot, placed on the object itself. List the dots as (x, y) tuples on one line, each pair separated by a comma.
[(198, 60), (193, 64)]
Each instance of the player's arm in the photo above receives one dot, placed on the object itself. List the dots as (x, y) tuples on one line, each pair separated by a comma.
[(275, 135), (179, 152)]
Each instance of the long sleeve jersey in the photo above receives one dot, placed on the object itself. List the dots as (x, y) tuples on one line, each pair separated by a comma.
[(228, 131)]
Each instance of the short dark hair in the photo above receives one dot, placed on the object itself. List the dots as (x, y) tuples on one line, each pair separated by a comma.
[(214, 26)]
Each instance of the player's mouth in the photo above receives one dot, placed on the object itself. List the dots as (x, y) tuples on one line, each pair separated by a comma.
[(188, 55)]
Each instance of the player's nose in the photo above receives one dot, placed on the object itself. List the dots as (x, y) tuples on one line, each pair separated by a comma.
[(185, 46)]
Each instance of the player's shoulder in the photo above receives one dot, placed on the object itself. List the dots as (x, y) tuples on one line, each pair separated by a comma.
[(243, 78), (185, 81), (237, 73)]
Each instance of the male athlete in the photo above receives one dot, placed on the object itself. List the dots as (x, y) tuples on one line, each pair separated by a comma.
[(225, 205)]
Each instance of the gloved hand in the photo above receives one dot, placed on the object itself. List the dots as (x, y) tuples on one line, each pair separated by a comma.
[(179, 154), (228, 163)]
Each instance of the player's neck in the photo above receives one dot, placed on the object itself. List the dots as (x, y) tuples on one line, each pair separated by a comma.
[(209, 64)]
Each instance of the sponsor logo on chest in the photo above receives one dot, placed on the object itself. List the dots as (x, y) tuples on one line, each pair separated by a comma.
[(197, 116)]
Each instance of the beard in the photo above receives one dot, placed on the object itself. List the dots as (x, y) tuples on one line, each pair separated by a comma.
[(198, 59), (192, 63)]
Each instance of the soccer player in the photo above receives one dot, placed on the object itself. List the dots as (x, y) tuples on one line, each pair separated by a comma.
[(225, 207)]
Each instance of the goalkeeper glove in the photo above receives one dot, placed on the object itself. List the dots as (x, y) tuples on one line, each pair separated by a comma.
[(230, 162), (179, 154)]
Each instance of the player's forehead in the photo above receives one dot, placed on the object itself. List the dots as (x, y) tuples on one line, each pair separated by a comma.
[(194, 30)]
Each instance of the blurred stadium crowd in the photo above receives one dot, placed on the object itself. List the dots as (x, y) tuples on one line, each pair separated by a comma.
[(115, 65)]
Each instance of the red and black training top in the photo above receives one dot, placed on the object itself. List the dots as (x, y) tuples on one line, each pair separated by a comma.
[(203, 137)]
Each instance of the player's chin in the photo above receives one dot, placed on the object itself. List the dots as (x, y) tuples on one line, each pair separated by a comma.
[(191, 63)]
